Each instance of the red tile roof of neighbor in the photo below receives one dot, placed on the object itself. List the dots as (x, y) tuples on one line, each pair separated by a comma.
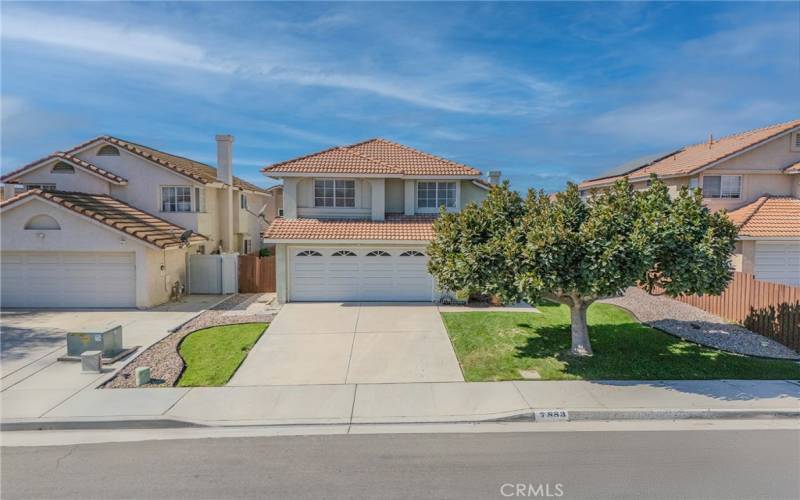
[(695, 157), (375, 156), (74, 160), (769, 217), (417, 228), (793, 169), (116, 214), (190, 168)]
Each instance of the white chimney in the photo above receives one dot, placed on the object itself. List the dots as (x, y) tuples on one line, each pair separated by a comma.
[(225, 158), (494, 177)]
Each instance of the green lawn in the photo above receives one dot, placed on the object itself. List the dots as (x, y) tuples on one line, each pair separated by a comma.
[(496, 345), (212, 355)]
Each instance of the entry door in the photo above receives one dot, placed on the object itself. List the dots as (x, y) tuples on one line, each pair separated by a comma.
[(359, 274), (68, 279)]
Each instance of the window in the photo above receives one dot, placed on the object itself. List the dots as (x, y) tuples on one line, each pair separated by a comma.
[(309, 253), (378, 253), (334, 193), (412, 253), (247, 246), (243, 201), (436, 194), (796, 142), (42, 222), (722, 186), (343, 253), (63, 168), (176, 199), (108, 151), (43, 187)]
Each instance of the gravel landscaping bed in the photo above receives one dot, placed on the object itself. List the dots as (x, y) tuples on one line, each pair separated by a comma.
[(693, 324), (162, 357)]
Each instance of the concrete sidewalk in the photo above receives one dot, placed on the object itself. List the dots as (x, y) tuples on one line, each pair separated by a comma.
[(419, 403)]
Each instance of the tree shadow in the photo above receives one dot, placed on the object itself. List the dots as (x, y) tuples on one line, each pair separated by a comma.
[(17, 342)]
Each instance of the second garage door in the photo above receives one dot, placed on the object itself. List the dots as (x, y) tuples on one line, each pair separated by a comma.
[(68, 279), (778, 262), (359, 273)]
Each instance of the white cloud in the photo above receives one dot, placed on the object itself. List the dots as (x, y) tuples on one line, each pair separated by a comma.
[(105, 38)]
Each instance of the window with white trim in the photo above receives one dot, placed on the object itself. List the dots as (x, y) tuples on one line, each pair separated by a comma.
[(243, 201), (63, 168), (436, 194), (43, 187), (199, 199), (247, 246), (176, 199), (339, 193), (795, 141), (722, 186)]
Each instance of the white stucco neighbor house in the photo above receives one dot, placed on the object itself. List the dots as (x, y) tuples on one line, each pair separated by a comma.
[(357, 219), (110, 223)]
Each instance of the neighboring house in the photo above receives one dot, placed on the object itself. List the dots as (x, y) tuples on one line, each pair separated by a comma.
[(357, 220), (110, 223), (755, 176)]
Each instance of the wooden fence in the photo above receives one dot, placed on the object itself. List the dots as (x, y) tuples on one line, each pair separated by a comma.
[(771, 309), (256, 274)]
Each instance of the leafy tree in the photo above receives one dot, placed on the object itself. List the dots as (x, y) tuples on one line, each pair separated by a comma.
[(575, 252)]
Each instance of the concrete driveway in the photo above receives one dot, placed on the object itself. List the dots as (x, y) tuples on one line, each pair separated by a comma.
[(33, 381), (352, 343)]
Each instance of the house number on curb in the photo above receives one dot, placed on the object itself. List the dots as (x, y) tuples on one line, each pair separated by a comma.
[(551, 416)]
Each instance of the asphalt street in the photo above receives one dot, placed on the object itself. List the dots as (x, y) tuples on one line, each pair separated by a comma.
[(749, 464)]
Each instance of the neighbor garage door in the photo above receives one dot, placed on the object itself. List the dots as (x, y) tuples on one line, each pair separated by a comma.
[(68, 279), (359, 273), (778, 262)]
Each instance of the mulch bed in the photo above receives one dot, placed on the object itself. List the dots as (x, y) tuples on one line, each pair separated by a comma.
[(166, 365)]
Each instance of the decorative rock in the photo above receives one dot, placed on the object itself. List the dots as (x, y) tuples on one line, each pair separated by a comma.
[(142, 375), (91, 361)]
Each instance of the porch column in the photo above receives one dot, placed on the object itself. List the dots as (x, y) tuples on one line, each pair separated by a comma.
[(378, 198), (409, 197)]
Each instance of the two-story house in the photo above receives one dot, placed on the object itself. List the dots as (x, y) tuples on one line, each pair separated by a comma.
[(110, 223), (755, 176), (357, 219)]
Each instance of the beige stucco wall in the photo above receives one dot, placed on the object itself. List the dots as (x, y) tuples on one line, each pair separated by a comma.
[(470, 193), (79, 234), (395, 192), (78, 181)]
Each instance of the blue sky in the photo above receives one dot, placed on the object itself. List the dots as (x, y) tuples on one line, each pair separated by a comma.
[(545, 92)]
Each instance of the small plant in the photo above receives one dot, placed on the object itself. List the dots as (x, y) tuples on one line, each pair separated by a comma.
[(463, 295), (264, 252)]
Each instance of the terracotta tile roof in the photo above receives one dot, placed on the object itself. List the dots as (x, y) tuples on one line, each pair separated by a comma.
[(375, 156), (416, 228), (695, 157), (769, 217), (185, 166), (74, 160), (116, 214), (793, 169)]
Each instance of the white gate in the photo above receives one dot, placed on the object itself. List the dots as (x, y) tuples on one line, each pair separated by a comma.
[(214, 274)]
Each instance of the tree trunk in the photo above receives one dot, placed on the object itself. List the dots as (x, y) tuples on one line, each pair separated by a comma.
[(580, 329)]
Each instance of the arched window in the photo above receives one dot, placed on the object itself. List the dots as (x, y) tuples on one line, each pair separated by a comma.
[(63, 168), (42, 222), (309, 253), (343, 253), (378, 253), (108, 150), (412, 253)]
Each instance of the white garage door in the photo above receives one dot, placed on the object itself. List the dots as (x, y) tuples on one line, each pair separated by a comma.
[(359, 273), (778, 262), (68, 279)]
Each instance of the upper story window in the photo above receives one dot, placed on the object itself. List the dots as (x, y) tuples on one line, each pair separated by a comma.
[(722, 186), (176, 199), (108, 150), (334, 193), (199, 199), (795, 145), (63, 168), (243, 201), (43, 187), (436, 194)]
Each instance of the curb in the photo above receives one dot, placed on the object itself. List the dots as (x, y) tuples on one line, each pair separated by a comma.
[(573, 416)]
